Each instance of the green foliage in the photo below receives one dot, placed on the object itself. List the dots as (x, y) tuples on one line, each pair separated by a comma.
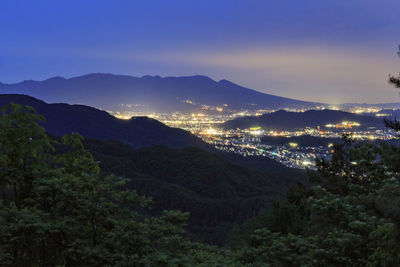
[(349, 217), (395, 81), (56, 209), (217, 194), (274, 249)]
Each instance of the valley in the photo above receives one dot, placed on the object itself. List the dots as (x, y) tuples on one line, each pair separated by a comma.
[(251, 139)]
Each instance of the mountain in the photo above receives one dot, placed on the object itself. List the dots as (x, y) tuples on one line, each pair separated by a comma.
[(219, 190), (137, 132), (93, 123), (284, 120), (217, 193), (150, 93)]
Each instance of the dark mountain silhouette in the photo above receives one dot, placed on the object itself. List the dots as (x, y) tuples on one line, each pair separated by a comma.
[(217, 193), (149, 93), (284, 120), (217, 189), (93, 123), (137, 132)]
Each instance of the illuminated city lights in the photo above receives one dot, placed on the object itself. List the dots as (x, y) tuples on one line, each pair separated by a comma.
[(360, 110), (122, 117), (248, 142), (293, 145)]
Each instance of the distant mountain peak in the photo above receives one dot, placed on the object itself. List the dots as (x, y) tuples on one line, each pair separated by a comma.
[(55, 78), (144, 119), (194, 78), (224, 81), (204, 77), (150, 93), (151, 77)]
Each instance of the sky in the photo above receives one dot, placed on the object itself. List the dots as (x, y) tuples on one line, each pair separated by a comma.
[(332, 51)]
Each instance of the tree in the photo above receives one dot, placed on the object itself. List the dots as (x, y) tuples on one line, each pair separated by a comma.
[(395, 81), (350, 217), (57, 210)]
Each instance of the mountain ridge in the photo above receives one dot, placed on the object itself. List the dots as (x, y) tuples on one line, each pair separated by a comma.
[(158, 94), (90, 122), (285, 120), (218, 194)]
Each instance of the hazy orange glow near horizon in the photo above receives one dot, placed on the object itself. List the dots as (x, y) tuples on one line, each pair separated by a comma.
[(326, 51)]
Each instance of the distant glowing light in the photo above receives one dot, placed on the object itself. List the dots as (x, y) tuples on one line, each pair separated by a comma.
[(350, 123), (122, 116), (257, 132), (343, 124), (211, 131), (359, 110), (293, 145)]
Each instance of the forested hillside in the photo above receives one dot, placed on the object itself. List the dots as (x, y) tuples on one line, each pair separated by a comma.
[(94, 123), (217, 193), (58, 208)]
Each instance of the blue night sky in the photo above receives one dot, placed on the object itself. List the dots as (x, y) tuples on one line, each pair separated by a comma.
[(332, 50)]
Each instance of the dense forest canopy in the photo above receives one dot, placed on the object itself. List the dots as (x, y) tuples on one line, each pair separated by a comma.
[(217, 194), (56, 209)]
